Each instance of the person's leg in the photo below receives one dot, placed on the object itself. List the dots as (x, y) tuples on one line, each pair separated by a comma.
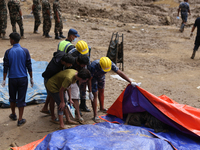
[(76, 106), (94, 104), (56, 28), (22, 88), (20, 23), (4, 26), (101, 99), (45, 107), (196, 46), (60, 29), (13, 23), (83, 105), (48, 28), (37, 22), (52, 106), (12, 87)]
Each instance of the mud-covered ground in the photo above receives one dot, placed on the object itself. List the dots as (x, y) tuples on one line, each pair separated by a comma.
[(155, 54)]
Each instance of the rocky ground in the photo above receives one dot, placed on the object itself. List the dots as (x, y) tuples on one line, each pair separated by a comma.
[(155, 54)]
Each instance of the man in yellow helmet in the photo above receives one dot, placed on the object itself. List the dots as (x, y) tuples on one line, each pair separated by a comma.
[(66, 45), (98, 69), (82, 49)]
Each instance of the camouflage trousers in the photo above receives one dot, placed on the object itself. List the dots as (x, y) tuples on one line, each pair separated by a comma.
[(20, 23), (46, 25), (58, 26), (3, 25), (37, 20)]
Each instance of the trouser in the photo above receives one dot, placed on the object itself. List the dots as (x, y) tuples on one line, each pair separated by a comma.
[(20, 23), (37, 20), (58, 27), (46, 25), (3, 24)]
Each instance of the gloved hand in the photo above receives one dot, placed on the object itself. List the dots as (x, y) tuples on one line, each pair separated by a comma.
[(31, 80), (134, 84), (177, 17), (22, 17), (31, 12), (191, 34), (51, 17), (3, 83), (91, 96)]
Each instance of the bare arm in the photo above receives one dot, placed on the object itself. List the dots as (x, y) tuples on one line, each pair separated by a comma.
[(121, 74), (193, 28), (178, 11), (90, 84), (4, 76)]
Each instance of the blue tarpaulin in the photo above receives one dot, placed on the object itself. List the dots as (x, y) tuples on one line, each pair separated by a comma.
[(109, 136), (37, 94)]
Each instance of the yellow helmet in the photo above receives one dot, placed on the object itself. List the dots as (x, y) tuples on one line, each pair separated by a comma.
[(82, 47), (105, 64)]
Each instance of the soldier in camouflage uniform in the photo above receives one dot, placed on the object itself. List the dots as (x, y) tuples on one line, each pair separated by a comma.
[(58, 20), (46, 13), (36, 8), (16, 16), (3, 19)]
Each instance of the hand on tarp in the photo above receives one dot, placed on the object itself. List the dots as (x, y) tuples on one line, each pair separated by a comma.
[(32, 83), (134, 84), (91, 96), (3, 83)]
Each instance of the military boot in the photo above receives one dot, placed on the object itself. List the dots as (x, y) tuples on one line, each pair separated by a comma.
[(83, 106), (61, 35), (193, 54), (57, 37), (4, 37), (22, 35), (47, 35)]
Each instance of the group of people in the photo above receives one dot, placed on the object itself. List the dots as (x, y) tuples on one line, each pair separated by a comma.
[(17, 17), (65, 79), (184, 8)]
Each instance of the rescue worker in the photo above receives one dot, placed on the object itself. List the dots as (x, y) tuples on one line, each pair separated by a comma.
[(66, 45), (98, 69), (58, 20), (16, 16), (36, 8), (46, 13)]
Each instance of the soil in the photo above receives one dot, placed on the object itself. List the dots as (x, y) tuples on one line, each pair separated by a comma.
[(155, 54)]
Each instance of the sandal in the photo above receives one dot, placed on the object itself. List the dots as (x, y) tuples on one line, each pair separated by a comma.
[(72, 122), (104, 110), (45, 112), (56, 121), (96, 119), (81, 120)]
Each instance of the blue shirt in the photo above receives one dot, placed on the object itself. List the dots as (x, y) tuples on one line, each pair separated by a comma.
[(17, 61), (184, 7), (97, 72)]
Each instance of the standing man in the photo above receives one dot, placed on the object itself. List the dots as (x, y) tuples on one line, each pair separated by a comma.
[(197, 40), (58, 20), (16, 16), (16, 62), (36, 8), (185, 9), (66, 45), (98, 69), (46, 13), (3, 19)]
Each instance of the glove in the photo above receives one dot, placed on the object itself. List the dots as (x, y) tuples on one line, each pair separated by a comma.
[(51, 17), (134, 84), (31, 80), (22, 17), (3, 83), (191, 34), (91, 96), (31, 12), (177, 17)]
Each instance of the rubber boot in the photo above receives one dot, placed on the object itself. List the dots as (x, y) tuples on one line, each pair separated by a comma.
[(57, 37), (61, 35), (193, 54), (83, 106)]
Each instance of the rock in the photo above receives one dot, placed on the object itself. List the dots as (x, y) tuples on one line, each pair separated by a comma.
[(168, 20)]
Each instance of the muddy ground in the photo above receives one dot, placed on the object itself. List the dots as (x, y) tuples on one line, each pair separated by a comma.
[(155, 54)]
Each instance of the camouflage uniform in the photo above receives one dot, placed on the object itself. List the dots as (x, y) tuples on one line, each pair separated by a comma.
[(3, 17), (15, 17), (46, 17), (36, 13), (58, 26)]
